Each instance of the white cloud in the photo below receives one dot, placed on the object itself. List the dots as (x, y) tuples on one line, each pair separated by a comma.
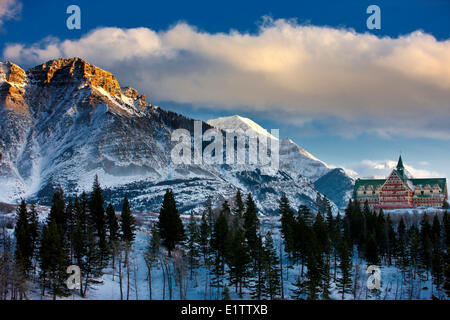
[(9, 9), (380, 169), (363, 83)]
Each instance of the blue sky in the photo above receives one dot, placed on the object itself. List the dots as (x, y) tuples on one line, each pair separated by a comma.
[(347, 127)]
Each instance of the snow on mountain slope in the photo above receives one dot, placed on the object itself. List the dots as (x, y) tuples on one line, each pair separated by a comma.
[(66, 120), (297, 161), (235, 123)]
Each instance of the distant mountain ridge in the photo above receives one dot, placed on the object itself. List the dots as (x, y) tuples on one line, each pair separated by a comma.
[(66, 120)]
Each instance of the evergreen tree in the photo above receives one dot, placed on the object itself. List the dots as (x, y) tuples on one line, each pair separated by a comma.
[(391, 245), (307, 215), (320, 230), (381, 235), (70, 227), (251, 223), (371, 254), (203, 239), (425, 243), (414, 248), (170, 226), (112, 224), (24, 246), (272, 267), (53, 259), (344, 282), (287, 220), (446, 284), (219, 247), (239, 206), (97, 214), (127, 223), (258, 289), (151, 254), (79, 241), (219, 242), (437, 266), (193, 253), (34, 229), (238, 261), (303, 240), (446, 229), (313, 274), (402, 255), (58, 211), (436, 231)]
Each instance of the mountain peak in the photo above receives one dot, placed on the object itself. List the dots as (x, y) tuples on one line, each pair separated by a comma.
[(62, 72), (12, 73), (12, 80), (236, 122)]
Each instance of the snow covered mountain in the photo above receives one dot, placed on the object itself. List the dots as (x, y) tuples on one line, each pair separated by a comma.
[(293, 158), (66, 120)]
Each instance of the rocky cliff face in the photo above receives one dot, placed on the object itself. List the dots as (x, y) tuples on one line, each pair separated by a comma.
[(66, 120)]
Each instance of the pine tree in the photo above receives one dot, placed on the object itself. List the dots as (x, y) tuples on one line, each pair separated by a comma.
[(239, 206), (93, 259), (24, 246), (391, 246), (313, 274), (170, 226), (151, 255), (127, 223), (402, 257), (258, 289), (287, 220), (372, 253), (219, 247), (303, 240), (112, 224), (425, 243), (381, 235), (414, 252), (320, 230), (219, 241), (53, 259), (203, 239), (97, 215), (307, 215), (204, 242), (437, 266), (79, 241), (192, 245), (446, 228), (344, 282), (58, 211), (34, 229), (272, 267), (251, 223), (238, 261), (436, 231), (446, 284)]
